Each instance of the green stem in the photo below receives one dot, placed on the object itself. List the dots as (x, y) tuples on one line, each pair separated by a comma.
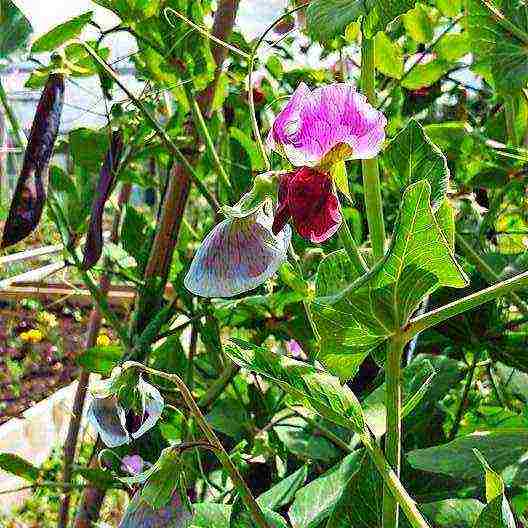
[(352, 249), (245, 493), (509, 114), (200, 122), (434, 317), (218, 386), (157, 127), (393, 484), (504, 22), (371, 180), (13, 121), (489, 273), (393, 403)]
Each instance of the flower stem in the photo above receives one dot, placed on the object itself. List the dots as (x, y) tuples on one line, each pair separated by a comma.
[(434, 317), (489, 273), (352, 249), (393, 403), (509, 114), (245, 493), (13, 121), (393, 484), (371, 180)]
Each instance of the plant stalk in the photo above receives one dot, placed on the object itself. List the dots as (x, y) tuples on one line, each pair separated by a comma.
[(352, 249), (371, 179), (489, 273), (393, 484), (393, 403), (434, 317), (11, 117), (245, 493)]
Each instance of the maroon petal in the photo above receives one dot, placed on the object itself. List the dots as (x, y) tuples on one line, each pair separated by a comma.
[(282, 214), (30, 193), (313, 205), (94, 238)]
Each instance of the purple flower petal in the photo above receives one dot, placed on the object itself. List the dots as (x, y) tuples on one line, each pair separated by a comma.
[(238, 255), (132, 464), (152, 404), (108, 418), (313, 128)]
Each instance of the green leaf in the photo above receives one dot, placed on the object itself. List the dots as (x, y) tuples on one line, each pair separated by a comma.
[(418, 24), (316, 501), (133, 234), (301, 439), (62, 33), (452, 513), (315, 388), (453, 47), (361, 504), (257, 163), (449, 8), (335, 272), (412, 157), (497, 513), (211, 515), (501, 448), (366, 313), (101, 359), (423, 75), (388, 56), (283, 492), (165, 479), (445, 217), (496, 49), (88, 147), (15, 29), (229, 417), (326, 19), (100, 478), (19, 467)]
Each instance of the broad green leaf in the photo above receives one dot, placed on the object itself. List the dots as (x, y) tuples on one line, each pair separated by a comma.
[(445, 216), (131, 9), (62, 33), (496, 48), (327, 19), (335, 272), (315, 388), (101, 359), (424, 75), (388, 56), (88, 147), (249, 146), (501, 448), (19, 467), (133, 234), (452, 513), (211, 515), (100, 478), (15, 29), (245, 520), (412, 157), (165, 480), (494, 483), (283, 492), (361, 317), (453, 47), (497, 513), (449, 8), (418, 24), (230, 417), (301, 439), (360, 505), (316, 501)]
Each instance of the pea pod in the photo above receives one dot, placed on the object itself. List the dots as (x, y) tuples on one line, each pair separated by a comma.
[(30, 193), (94, 238)]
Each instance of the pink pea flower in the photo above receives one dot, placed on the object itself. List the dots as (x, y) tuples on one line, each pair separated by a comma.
[(315, 130), (132, 464)]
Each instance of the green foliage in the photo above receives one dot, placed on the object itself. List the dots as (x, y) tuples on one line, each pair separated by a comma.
[(15, 29), (101, 359), (62, 33), (19, 467)]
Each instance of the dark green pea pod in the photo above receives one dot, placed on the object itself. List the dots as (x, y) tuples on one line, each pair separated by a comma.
[(30, 193), (94, 238)]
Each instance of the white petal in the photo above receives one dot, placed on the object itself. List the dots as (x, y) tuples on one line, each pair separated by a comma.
[(238, 255), (109, 420), (152, 404)]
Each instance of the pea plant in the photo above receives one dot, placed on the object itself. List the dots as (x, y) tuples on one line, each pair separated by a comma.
[(329, 264)]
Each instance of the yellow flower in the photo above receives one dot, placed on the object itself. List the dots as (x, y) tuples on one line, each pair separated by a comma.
[(32, 336), (103, 340), (48, 319)]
